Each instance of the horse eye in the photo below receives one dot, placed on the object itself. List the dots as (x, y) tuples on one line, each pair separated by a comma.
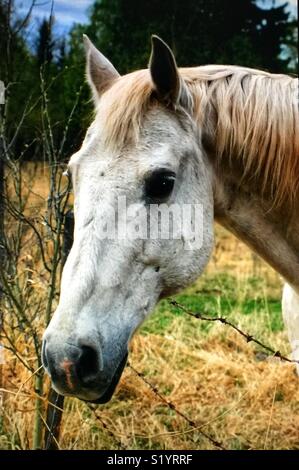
[(159, 185)]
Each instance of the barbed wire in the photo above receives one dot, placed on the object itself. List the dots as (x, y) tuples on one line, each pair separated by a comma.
[(105, 426), (196, 426), (249, 338), (172, 406)]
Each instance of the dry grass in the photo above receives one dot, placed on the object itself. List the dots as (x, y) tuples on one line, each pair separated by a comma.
[(228, 387)]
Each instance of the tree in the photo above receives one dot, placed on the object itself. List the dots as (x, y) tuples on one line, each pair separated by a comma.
[(12, 45), (45, 43), (200, 32), (290, 48)]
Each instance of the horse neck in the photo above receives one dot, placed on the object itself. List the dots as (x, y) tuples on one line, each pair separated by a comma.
[(272, 232)]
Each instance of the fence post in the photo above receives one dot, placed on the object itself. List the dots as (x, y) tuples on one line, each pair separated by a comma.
[(54, 413)]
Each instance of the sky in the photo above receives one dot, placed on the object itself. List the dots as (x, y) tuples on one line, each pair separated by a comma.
[(68, 12)]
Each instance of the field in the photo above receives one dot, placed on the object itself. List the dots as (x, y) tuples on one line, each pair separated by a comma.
[(231, 390)]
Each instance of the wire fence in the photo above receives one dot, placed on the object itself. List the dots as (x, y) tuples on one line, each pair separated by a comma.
[(56, 402), (248, 337), (172, 406), (52, 421), (53, 427)]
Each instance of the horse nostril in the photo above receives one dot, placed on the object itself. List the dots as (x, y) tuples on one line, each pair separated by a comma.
[(88, 365), (72, 366)]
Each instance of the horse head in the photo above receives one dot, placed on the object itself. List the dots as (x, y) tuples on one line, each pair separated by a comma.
[(143, 205)]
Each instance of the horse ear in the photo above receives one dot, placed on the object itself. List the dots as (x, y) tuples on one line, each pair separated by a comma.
[(166, 78), (100, 72)]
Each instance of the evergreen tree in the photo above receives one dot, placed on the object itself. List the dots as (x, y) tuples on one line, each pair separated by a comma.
[(200, 32), (45, 43), (13, 48), (61, 54)]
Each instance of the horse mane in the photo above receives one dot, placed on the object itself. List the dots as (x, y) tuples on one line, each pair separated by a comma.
[(257, 119)]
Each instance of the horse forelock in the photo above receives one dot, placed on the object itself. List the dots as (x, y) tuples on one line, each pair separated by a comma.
[(123, 107), (257, 119)]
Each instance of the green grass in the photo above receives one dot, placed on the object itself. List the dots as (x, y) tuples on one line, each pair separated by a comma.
[(244, 300)]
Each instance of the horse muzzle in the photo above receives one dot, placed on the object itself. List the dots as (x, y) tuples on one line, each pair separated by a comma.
[(80, 370)]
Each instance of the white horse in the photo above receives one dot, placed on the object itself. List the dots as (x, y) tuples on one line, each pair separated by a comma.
[(223, 139)]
